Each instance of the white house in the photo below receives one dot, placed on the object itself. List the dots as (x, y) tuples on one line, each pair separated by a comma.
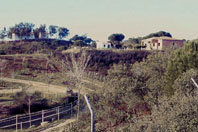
[(103, 45), (161, 43)]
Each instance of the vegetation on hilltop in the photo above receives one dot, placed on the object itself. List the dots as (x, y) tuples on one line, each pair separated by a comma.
[(51, 37), (28, 29)]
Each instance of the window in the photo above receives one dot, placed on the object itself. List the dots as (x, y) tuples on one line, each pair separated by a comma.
[(154, 44), (104, 45), (108, 46), (158, 44)]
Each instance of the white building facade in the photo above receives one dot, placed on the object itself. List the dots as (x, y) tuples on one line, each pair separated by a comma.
[(103, 45)]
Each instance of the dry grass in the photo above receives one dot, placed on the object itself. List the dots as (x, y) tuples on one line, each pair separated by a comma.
[(72, 50), (39, 55), (10, 91), (60, 127)]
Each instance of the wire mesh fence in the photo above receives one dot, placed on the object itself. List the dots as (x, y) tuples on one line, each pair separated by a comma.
[(20, 122)]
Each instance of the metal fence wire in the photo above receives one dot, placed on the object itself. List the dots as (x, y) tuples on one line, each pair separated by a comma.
[(24, 121)]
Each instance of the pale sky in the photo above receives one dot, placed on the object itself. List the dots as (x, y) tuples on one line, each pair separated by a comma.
[(100, 18)]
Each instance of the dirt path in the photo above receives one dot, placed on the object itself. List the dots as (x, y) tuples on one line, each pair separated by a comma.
[(45, 88), (39, 86), (9, 91)]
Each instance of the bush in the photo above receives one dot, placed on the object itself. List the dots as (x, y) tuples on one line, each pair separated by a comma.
[(181, 61), (2, 52)]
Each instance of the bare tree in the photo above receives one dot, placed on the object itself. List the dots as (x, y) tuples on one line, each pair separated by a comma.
[(28, 96), (78, 70), (75, 66)]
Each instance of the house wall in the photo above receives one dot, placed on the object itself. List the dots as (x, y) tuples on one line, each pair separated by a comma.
[(103, 45), (173, 43), (157, 44), (161, 44), (147, 43)]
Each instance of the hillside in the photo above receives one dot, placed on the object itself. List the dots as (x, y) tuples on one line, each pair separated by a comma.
[(33, 54), (32, 46)]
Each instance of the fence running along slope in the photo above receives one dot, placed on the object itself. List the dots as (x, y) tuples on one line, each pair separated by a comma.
[(20, 122)]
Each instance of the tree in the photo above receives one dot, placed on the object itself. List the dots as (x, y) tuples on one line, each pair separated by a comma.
[(88, 40), (3, 33), (53, 30), (26, 97), (63, 32), (153, 68), (93, 44), (21, 29), (178, 113), (158, 34), (78, 69), (42, 29), (116, 39), (180, 61), (131, 42), (74, 66), (83, 38), (79, 43), (77, 37), (36, 33)]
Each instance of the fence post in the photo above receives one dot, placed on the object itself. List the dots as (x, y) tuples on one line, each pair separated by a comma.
[(16, 122), (92, 114), (30, 120), (71, 108), (21, 126), (42, 115), (194, 82), (58, 113)]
